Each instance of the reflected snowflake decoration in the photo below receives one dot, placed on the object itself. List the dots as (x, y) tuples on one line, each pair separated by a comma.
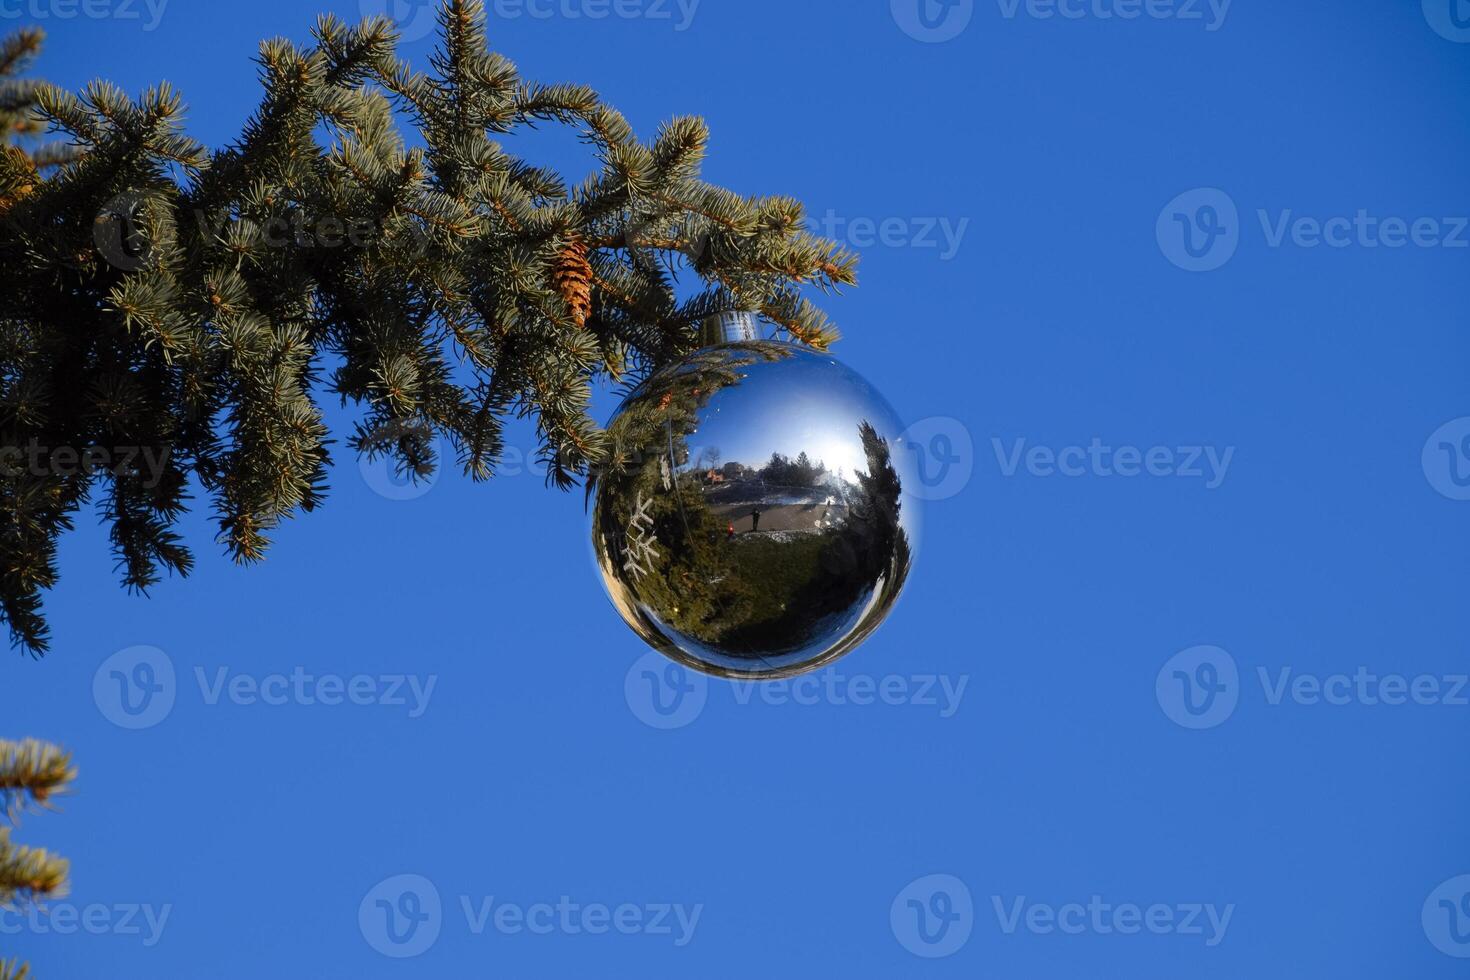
[(639, 546)]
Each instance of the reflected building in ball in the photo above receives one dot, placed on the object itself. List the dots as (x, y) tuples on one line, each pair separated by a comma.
[(752, 522)]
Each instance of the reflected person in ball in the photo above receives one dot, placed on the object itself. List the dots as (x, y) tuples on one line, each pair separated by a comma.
[(753, 521)]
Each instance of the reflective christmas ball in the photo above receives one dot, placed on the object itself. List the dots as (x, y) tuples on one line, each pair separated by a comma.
[(752, 522)]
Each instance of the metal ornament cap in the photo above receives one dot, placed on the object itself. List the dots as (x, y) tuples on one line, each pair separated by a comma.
[(733, 327)]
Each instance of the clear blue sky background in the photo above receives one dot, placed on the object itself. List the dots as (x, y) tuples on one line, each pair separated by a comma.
[(1062, 773)]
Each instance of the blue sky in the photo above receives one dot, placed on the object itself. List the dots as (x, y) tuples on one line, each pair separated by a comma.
[(1174, 293)]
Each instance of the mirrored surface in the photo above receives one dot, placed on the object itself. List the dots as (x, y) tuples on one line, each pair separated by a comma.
[(753, 521)]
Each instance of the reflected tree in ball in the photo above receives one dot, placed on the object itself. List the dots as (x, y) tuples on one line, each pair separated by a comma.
[(752, 522)]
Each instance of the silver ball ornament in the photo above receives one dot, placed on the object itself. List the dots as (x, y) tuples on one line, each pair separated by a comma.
[(753, 521)]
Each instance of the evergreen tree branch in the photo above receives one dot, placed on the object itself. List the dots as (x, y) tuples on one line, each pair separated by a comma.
[(173, 306), (32, 773), (29, 874)]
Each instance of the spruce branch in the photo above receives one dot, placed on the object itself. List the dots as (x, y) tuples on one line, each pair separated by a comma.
[(175, 304), (32, 773), (17, 96), (29, 874)]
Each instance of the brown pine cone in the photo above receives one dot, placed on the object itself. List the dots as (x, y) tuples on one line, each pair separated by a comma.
[(573, 278)]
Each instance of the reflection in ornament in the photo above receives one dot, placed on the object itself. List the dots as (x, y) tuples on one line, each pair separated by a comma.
[(757, 524)]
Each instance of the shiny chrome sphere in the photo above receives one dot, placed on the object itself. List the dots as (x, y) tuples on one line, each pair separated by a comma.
[(753, 521)]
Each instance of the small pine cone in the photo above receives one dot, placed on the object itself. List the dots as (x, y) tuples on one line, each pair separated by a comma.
[(573, 278)]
